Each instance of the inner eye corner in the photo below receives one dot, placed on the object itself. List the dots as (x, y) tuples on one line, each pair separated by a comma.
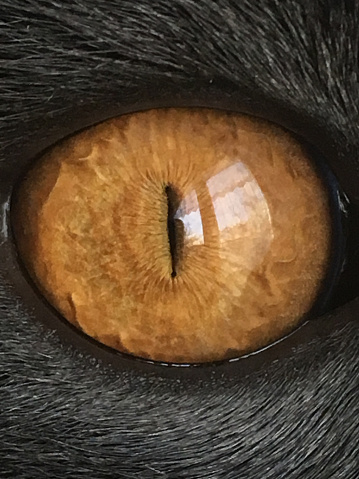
[(182, 243)]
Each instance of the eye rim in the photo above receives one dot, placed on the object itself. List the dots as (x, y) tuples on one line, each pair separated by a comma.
[(109, 354)]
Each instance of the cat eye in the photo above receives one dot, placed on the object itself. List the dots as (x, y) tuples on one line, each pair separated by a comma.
[(179, 235)]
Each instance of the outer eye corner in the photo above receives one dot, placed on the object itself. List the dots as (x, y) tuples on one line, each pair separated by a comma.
[(179, 267)]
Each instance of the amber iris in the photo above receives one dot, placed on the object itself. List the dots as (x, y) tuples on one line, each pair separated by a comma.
[(177, 235)]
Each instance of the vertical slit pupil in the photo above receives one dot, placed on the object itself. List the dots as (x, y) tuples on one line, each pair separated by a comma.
[(174, 228)]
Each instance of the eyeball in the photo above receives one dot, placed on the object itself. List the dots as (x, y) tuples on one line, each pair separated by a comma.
[(177, 235)]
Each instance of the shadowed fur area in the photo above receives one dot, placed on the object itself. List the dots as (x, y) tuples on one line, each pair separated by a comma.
[(72, 408)]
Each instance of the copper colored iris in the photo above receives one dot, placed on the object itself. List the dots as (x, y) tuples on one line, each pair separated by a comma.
[(177, 235)]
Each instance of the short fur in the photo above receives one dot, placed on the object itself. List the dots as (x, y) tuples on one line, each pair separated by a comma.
[(292, 411)]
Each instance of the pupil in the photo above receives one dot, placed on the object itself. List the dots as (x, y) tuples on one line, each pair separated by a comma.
[(175, 228)]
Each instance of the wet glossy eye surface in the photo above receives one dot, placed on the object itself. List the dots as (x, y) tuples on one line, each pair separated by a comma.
[(177, 235)]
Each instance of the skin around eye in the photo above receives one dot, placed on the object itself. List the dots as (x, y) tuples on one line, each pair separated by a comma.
[(177, 235)]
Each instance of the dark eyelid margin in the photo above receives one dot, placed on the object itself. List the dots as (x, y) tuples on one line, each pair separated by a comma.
[(58, 128), (43, 131)]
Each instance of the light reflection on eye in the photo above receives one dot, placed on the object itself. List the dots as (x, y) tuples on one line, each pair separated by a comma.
[(240, 210), (177, 235), (189, 213)]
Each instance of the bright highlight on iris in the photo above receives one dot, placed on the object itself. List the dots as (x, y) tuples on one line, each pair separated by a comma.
[(177, 235)]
